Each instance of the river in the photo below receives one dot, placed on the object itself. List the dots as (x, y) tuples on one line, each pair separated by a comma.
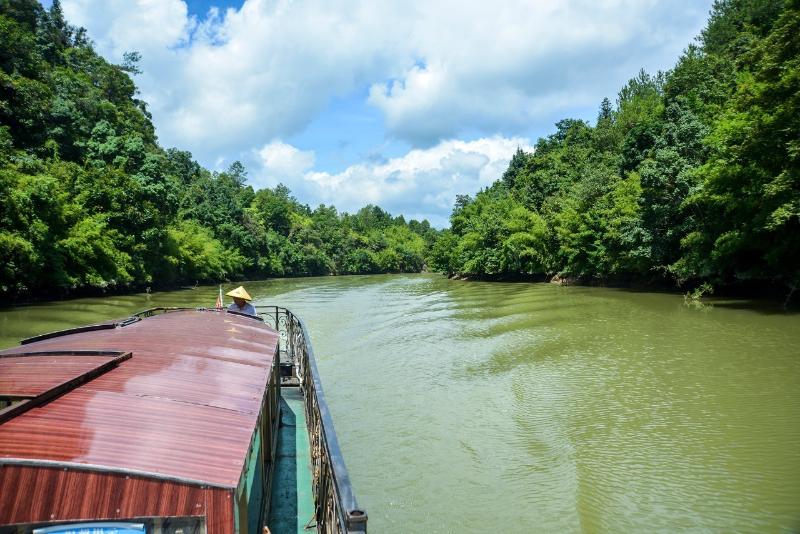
[(494, 407)]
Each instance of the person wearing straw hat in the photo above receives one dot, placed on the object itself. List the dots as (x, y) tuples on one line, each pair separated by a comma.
[(241, 301)]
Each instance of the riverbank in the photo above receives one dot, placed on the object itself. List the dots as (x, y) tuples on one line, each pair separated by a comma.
[(761, 290), (54, 295), (774, 293), (89, 292)]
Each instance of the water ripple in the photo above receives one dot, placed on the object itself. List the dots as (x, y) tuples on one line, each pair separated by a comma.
[(537, 408)]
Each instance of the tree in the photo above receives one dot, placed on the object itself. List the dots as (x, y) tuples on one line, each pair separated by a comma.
[(668, 177), (88, 199), (237, 172), (130, 62), (515, 167), (750, 199)]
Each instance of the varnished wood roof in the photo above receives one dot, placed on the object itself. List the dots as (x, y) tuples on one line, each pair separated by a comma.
[(33, 375), (183, 406)]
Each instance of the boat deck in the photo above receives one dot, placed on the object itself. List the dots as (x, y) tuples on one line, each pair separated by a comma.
[(292, 501)]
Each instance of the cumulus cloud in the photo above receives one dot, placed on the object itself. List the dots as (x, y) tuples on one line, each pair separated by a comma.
[(281, 163), (500, 67), (420, 184), (232, 84), (434, 69), (121, 25), (242, 77)]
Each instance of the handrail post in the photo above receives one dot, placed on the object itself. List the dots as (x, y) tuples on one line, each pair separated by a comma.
[(287, 329)]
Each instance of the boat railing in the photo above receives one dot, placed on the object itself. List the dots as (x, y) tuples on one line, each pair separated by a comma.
[(337, 510), (159, 310)]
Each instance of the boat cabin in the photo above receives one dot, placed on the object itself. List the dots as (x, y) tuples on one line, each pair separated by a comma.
[(160, 424)]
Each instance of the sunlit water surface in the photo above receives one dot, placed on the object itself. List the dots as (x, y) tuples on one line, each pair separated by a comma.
[(491, 407)]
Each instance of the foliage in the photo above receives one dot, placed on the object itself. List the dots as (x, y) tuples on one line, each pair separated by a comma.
[(690, 176), (694, 174), (88, 199), (698, 293), (750, 200)]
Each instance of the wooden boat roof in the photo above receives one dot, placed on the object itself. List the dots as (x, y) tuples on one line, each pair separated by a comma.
[(183, 406)]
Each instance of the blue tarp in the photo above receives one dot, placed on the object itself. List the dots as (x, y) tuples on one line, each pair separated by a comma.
[(94, 528)]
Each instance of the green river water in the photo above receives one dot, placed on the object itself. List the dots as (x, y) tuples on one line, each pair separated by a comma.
[(493, 407)]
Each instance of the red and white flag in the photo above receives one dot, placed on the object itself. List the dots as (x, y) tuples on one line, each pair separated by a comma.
[(219, 299)]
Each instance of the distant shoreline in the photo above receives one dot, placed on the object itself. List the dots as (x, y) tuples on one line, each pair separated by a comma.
[(89, 291), (752, 291), (757, 290)]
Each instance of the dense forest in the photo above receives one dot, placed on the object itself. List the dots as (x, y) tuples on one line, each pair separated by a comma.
[(88, 198), (691, 177)]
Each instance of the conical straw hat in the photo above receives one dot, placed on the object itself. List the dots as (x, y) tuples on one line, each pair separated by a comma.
[(239, 293)]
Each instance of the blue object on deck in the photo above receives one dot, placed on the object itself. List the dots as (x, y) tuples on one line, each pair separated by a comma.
[(94, 528)]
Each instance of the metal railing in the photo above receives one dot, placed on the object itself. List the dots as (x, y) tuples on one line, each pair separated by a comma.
[(337, 510)]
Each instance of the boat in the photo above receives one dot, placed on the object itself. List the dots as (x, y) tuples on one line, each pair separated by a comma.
[(173, 420)]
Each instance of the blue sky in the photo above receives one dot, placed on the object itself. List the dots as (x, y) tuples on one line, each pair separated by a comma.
[(200, 8), (400, 103)]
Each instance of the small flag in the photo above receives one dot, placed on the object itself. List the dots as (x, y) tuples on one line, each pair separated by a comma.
[(219, 299)]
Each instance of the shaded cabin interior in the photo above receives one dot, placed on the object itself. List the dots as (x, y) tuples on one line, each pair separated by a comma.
[(169, 422)]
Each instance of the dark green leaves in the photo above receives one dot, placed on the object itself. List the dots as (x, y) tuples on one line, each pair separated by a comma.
[(694, 175)]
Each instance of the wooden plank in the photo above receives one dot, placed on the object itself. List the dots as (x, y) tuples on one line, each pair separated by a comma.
[(33, 494), (219, 507), (66, 385), (184, 406), (31, 375), (148, 435)]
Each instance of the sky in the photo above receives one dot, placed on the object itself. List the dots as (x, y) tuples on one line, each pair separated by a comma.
[(400, 103)]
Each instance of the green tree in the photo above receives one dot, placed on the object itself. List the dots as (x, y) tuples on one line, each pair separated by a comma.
[(750, 200)]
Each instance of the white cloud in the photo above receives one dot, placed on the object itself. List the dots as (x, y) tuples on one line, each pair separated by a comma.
[(236, 80), (279, 162), (120, 25), (500, 67), (230, 85), (247, 76), (420, 184)]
